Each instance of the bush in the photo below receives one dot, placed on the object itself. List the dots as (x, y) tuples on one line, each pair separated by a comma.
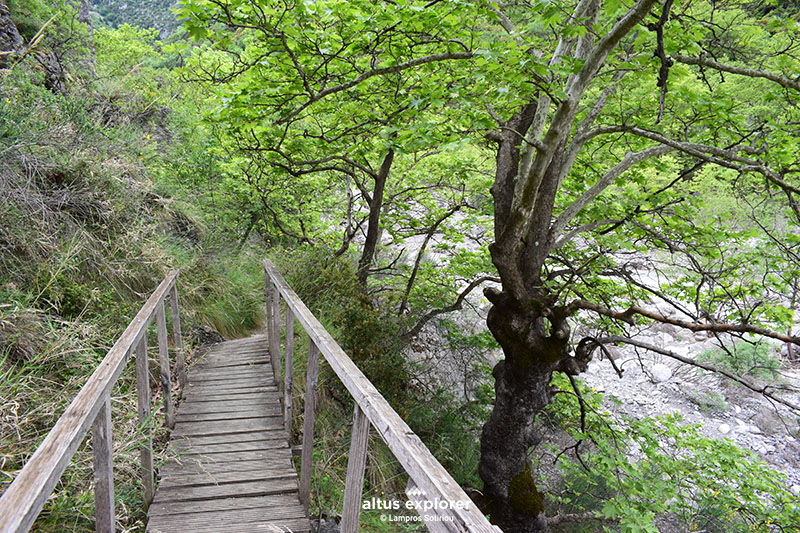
[(746, 359), (639, 471)]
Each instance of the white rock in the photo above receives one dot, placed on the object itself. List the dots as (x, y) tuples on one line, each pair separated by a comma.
[(660, 373), (724, 429), (795, 490)]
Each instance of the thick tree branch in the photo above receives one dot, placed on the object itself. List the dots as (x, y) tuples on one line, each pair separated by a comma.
[(627, 316), (764, 390)]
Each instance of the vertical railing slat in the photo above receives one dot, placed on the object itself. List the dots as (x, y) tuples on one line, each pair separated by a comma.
[(163, 362), (268, 299), (102, 450), (287, 371), (356, 463), (143, 393), (309, 417), (177, 336), (275, 337)]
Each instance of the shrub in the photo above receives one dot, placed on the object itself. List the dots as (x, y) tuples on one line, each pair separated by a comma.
[(746, 359)]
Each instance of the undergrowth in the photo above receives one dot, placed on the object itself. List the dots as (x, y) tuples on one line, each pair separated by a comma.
[(86, 234), (449, 426)]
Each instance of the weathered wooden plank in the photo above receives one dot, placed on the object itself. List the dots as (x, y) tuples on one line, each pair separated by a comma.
[(280, 511), (253, 515), (356, 463), (309, 417), (232, 426), (103, 456), (206, 478), (278, 501), (409, 450), (287, 371), (233, 437), (296, 525), (228, 490), (232, 457), (24, 498), (223, 390), (265, 397), (272, 410), (226, 406), (163, 363), (233, 376), (180, 357), (233, 362), (209, 449), (143, 395), (201, 391), (231, 454), (184, 466)]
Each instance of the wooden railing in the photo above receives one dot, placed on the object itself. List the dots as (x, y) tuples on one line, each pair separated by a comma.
[(25, 497), (443, 501)]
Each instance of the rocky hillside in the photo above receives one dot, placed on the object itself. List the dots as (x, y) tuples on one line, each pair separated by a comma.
[(155, 14)]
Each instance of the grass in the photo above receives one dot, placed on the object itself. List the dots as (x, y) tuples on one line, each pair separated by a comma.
[(85, 237)]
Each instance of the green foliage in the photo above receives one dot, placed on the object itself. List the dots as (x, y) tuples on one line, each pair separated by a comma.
[(755, 360), (85, 236), (633, 471)]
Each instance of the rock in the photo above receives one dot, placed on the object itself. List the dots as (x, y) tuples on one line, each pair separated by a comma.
[(203, 335), (795, 490), (660, 373), (325, 525), (724, 429)]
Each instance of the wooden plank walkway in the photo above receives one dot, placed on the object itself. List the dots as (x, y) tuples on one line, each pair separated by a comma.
[(232, 469)]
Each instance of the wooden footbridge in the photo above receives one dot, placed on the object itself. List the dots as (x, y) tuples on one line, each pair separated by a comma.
[(231, 466)]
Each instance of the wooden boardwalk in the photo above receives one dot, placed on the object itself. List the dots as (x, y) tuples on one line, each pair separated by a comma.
[(232, 469)]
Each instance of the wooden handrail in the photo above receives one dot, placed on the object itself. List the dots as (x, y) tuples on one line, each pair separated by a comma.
[(422, 467), (25, 497)]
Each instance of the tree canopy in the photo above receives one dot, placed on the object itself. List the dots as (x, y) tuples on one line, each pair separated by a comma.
[(619, 130)]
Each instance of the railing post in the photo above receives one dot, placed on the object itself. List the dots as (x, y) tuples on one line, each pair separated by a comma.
[(356, 463), (163, 361), (309, 417), (275, 338), (102, 450), (143, 393), (180, 359), (287, 371)]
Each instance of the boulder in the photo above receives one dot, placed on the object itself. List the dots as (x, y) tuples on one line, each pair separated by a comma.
[(660, 373)]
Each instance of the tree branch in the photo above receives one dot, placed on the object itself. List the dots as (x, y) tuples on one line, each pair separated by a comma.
[(627, 316), (420, 252), (414, 331), (705, 366), (607, 179), (732, 69), (434, 58)]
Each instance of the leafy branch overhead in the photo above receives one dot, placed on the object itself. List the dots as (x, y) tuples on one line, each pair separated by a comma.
[(604, 132)]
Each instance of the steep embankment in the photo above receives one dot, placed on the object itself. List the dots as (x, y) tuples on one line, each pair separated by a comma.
[(91, 219)]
